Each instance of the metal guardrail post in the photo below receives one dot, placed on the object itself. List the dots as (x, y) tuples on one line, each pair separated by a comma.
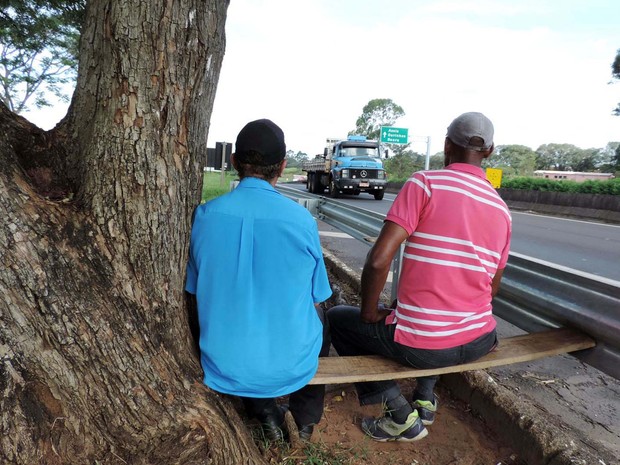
[(534, 295)]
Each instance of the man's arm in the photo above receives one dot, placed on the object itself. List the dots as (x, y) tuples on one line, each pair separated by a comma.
[(376, 269), (495, 282)]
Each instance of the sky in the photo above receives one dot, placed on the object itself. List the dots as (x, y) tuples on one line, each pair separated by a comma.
[(539, 69)]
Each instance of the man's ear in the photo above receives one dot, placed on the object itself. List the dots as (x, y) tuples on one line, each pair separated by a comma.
[(447, 147), (489, 152), (282, 166), (233, 161)]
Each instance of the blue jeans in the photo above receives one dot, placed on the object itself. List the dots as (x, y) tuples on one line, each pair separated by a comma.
[(351, 336)]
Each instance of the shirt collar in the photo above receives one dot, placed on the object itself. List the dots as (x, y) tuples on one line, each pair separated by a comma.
[(255, 183), (467, 168)]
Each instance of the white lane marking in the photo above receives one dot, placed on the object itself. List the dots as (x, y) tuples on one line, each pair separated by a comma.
[(335, 234), (512, 212), (567, 269)]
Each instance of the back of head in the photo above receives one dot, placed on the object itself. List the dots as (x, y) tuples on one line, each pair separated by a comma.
[(472, 131), (259, 150), (260, 142)]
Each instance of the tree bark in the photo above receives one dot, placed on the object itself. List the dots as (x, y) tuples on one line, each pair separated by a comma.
[(96, 363)]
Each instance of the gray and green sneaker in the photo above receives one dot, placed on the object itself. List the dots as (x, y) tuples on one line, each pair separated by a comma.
[(386, 429), (426, 410)]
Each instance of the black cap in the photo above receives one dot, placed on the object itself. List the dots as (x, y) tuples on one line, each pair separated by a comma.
[(263, 137)]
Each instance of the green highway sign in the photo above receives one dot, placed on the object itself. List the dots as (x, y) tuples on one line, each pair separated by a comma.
[(390, 135)]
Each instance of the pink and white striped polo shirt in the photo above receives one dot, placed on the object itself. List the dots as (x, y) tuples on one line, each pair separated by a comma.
[(459, 236)]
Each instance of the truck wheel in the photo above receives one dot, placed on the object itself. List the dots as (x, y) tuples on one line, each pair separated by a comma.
[(317, 187), (379, 195), (333, 190), (309, 182)]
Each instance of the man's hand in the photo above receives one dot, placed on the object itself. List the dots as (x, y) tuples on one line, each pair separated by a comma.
[(379, 315), (376, 270)]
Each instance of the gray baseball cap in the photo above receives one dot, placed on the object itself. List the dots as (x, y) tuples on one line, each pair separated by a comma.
[(468, 125)]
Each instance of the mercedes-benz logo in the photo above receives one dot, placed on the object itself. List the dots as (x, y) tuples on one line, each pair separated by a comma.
[(363, 173)]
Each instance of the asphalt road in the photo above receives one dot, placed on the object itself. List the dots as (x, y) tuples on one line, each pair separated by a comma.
[(581, 245)]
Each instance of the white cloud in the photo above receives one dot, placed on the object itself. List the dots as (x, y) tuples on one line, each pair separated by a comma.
[(539, 69), (312, 71)]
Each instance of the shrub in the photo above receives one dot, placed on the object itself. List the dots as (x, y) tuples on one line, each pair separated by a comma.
[(609, 187)]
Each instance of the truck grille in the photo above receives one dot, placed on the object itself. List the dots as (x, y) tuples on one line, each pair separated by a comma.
[(363, 174)]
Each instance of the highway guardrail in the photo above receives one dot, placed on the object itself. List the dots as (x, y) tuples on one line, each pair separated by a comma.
[(534, 295)]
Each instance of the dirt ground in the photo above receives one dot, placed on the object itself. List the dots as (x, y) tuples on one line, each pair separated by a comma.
[(456, 437)]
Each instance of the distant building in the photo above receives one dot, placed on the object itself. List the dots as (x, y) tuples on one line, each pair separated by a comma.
[(572, 175)]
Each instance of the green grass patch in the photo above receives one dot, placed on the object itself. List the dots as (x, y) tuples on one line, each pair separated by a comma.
[(213, 186)]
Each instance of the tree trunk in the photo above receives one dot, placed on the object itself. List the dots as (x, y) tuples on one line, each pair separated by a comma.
[(96, 364)]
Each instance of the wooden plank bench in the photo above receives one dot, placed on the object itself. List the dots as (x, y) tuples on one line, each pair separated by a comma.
[(351, 369)]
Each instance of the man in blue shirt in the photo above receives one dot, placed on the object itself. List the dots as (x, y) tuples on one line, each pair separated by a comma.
[(256, 269)]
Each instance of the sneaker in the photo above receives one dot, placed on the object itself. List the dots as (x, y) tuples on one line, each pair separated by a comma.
[(426, 410), (386, 429)]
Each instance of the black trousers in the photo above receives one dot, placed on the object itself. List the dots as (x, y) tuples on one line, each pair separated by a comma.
[(306, 404)]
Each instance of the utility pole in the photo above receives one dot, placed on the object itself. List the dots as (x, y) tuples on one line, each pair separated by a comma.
[(427, 163), (223, 166)]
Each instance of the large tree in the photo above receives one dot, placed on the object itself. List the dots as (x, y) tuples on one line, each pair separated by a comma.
[(38, 50), (514, 160), (376, 113), (96, 363)]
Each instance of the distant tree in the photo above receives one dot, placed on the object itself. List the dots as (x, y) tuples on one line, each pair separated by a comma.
[(38, 50), (513, 160), (436, 162), (377, 112), (610, 158), (402, 165), (295, 160), (560, 157), (615, 73), (588, 160)]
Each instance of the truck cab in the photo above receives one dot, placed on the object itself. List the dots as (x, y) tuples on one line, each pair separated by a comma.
[(356, 167)]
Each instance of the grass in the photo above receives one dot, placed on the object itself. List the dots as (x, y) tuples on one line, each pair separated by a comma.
[(212, 185), (320, 454), (311, 453)]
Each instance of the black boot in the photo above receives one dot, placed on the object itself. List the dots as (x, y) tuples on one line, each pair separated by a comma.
[(272, 422)]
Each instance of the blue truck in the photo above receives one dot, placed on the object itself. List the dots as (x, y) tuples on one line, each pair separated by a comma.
[(347, 166)]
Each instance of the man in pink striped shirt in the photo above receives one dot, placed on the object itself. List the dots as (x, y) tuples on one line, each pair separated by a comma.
[(456, 232)]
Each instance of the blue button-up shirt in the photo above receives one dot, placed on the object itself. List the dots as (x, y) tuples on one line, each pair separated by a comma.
[(257, 269)]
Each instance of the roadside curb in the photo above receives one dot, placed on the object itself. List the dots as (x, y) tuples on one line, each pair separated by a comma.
[(515, 421)]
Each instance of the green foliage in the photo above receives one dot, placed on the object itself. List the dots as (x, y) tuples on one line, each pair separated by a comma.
[(378, 112), (567, 157), (322, 454), (212, 185), (513, 160), (609, 187), (295, 159), (401, 166), (437, 161), (38, 50)]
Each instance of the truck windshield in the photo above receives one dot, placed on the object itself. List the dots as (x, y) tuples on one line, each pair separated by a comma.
[(359, 152)]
